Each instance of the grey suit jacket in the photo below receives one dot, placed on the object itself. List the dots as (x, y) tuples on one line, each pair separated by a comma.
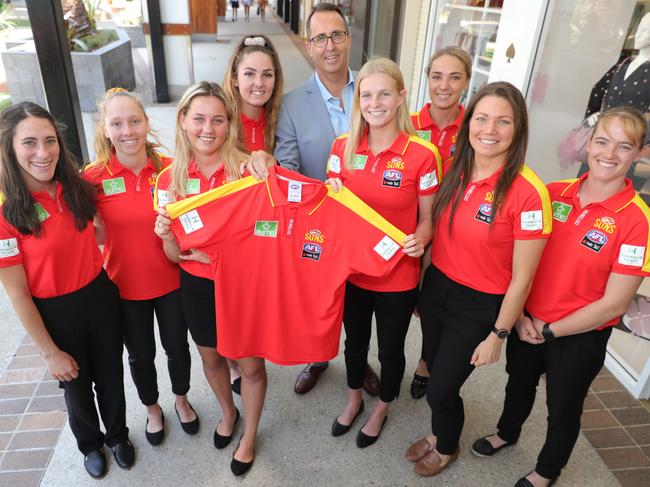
[(304, 135)]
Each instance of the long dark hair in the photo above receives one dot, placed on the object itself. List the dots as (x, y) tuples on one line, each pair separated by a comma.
[(18, 205), (457, 179)]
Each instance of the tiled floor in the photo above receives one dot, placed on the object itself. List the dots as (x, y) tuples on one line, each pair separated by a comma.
[(32, 415), (618, 426)]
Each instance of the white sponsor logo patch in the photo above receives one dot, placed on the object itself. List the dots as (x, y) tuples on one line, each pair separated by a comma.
[(191, 221), (334, 164), (531, 220), (163, 198), (8, 247), (631, 255), (386, 247), (428, 181)]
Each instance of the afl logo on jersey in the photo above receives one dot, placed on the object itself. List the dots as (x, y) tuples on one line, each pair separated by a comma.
[(594, 240), (392, 178), (484, 213), (311, 251)]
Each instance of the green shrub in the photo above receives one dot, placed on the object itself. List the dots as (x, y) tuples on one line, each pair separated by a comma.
[(95, 40)]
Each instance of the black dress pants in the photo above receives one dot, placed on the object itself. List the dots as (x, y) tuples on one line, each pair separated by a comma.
[(571, 363), (455, 319), (86, 324), (141, 343), (393, 312)]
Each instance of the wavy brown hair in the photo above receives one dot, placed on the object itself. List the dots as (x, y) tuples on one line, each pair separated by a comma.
[(18, 205), (272, 106), (458, 177)]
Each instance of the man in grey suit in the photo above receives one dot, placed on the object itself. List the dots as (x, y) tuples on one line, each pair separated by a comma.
[(312, 116)]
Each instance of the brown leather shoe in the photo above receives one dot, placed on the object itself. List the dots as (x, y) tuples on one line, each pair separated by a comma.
[(429, 465), (308, 377), (371, 382), (419, 449)]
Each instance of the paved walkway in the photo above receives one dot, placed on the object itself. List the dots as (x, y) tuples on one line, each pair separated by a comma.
[(295, 448)]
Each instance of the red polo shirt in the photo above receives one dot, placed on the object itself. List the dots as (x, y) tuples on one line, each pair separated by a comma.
[(61, 260), (280, 258), (390, 182), (478, 254), (133, 254), (196, 184), (444, 139), (254, 132), (587, 245)]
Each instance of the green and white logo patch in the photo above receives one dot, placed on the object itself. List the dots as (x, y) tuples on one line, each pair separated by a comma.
[(192, 186), (41, 212), (561, 211), (424, 134), (265, 228), (359, 161), (113, 186)]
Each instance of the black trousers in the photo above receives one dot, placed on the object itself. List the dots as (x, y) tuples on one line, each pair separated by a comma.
[(141, 343), (393, 314), (197, 296), (571, 363), (86, 324), (455, 319)]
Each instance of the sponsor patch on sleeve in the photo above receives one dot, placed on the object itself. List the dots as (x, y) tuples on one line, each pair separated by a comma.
[(428, 181), (8, 247), (531, 220), (386, 247), (191, 221), (631, 255), (334, 164), (163, 198)]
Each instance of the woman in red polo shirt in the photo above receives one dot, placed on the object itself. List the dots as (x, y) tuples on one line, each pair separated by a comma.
[(124, 174), (491, 217), (52, 271), (208, 154), (591, 269), (397, 174), (448, 75)]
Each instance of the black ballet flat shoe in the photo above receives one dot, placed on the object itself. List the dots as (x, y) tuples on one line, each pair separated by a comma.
[(339, 429), (483, 448), (240, 468), (156, 437), (191, 427), (124, 454), (95, 463), (524, 482), (419, 386), (221, 441), (236, 386), (364, 440)]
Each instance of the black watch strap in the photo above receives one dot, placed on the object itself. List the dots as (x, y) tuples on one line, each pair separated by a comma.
[(500, 332), (547, 333)]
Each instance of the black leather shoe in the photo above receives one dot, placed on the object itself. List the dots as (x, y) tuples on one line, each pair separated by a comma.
[(483, 448), (364, 440), (221, 441), (124, 454), (419, 386), (156, 437), (524, 482), (240, 468), (236, 386), (95, 463), (339, 429), (191, 427)]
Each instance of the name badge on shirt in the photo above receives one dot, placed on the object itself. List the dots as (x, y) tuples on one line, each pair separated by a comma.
[(113, 186), (265, 228), (295, 192), (192, 186), (359, 161), (424, 134), (561, 211), (41, 212)]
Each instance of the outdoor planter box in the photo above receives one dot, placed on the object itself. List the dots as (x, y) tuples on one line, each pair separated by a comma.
[(95, 72)]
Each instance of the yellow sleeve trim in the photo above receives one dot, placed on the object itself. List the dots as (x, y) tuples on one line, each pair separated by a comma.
[(155, 190), (432, 148), (178, 208), (638, 201), (538, 184), (348, 199)]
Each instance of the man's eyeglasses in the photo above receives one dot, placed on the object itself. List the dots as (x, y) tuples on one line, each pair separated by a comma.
[(338, 36)]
